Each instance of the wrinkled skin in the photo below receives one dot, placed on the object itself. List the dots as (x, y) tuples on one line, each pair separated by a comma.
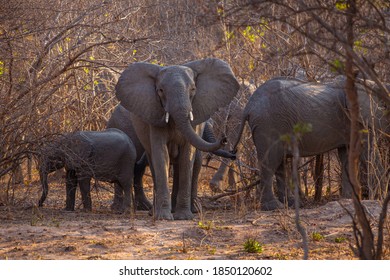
[(168, 107), (104, 155), (277, 105), (120, 119)]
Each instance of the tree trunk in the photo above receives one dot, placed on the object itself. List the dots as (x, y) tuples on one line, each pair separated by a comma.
[(365, 238)]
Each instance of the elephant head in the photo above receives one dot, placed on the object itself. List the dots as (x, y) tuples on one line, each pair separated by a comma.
[(181, 95)]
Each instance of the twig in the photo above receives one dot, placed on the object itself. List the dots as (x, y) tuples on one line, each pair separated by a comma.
[(301, 229), (382, 219), (250, 186)]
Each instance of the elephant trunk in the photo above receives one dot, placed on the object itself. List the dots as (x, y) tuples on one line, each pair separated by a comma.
[(244, 118), (225, 154), (208, 135), (183, 124)]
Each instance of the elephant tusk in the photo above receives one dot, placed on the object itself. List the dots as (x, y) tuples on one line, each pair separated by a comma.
[(166, 117), (191, 116)]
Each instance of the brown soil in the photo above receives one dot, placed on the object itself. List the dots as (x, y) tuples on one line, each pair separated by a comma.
[(219, 231)]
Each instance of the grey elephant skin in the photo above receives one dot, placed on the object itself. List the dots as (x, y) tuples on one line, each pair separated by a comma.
[(121, 119), (168, 107), (279, 104), (107, 155)]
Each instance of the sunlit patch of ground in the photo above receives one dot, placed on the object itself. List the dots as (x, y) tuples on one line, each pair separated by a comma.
[(217, 232)]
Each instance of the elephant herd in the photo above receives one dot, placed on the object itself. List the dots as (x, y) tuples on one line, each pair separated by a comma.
[(162, 121)]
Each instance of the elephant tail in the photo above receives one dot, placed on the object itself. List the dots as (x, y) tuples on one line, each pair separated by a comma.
[(244, 118)]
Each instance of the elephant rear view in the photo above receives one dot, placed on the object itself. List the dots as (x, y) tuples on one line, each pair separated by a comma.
[(272, 112), (107, 155)]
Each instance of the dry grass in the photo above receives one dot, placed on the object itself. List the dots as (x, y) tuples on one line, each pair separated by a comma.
[(219, 231)]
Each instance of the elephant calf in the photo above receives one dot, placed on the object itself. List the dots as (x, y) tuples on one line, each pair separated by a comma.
[(107, 155)]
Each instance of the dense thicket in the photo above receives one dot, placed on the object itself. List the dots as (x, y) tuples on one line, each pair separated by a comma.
[(60, 60)]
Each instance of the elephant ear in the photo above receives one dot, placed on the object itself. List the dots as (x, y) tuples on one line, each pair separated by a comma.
[(136, 91), (216, 87)]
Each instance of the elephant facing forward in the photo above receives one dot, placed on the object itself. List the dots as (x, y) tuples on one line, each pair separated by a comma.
[(121, 119), (107, 155), (168, 107), (279, 104)]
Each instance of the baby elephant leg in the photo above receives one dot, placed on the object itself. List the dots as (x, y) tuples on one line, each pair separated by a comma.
[(71, 185), (117, 204)]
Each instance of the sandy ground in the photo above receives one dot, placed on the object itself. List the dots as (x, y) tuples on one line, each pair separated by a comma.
[(219, 231)]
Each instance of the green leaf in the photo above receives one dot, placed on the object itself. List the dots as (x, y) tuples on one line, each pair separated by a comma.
[(286, 138), (1, 68), (340, 239), (251, 65), (341, 5), (248, 33), (253, 246), (87, 87), (316, 236), (229, 35), (155, 61), (302, 128), (336, 66)]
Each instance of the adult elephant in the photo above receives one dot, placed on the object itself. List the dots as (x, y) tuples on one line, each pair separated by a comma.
[(278, 105), (168, 107), (107, 155), (121, 119)]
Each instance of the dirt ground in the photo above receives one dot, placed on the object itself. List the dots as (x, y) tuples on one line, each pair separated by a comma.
[(219, 231)]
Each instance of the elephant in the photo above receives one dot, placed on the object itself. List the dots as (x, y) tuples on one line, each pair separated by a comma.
[(225, 170), (121, 119), (107, 155), (168, 107), (281, 103)]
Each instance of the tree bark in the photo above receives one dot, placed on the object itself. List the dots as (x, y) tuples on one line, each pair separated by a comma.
[(365, 238)]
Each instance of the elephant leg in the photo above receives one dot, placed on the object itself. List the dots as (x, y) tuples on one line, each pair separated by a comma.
[(160, 167), (264, 191), (283, 191), (185, 165), (217, 181), (194, 182), (71, 185), (270, 156), (85, 189), (117, 204), (127, 195), (175, 185), (232, 178), (346, 187), (45, 187), (141, 202)]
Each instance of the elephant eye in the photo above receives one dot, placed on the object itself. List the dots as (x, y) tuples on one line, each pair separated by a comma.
[(161, 96)]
